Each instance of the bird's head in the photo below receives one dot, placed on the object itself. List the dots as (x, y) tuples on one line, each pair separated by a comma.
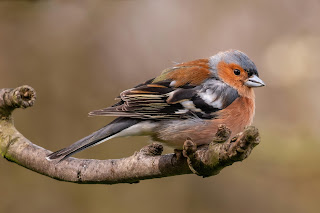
[(236, 69)]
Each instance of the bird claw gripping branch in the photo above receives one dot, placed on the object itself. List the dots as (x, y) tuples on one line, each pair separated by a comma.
[(211, 159)]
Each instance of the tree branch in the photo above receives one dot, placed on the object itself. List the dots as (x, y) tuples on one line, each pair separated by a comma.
[(147, 163)]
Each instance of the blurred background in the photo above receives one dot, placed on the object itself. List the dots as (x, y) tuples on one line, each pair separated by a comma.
[(79, 55)]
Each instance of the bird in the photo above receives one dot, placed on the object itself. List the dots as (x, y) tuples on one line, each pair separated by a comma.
[(186, 101)]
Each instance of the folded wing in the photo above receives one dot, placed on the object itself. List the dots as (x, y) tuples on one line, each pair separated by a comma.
[(179, 92)]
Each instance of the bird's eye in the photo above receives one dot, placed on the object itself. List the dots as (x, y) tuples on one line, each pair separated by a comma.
[(236, 72)]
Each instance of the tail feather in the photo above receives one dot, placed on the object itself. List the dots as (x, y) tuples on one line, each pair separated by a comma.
[(95, 138)]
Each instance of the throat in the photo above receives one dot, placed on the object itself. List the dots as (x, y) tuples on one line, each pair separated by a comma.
[(249, 108), (246, 92)]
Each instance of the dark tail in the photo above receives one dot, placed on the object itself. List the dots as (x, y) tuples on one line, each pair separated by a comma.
[(101, 135)]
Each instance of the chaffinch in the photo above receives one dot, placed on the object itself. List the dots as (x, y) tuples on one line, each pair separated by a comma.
[(188, 100)]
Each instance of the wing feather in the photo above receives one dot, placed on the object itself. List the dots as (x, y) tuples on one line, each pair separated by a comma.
[(172, 96)]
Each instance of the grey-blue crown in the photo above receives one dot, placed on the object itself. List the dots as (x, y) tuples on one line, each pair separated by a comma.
[(234, 56)]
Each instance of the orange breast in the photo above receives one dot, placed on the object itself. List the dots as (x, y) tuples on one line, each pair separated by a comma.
[(237, 115)]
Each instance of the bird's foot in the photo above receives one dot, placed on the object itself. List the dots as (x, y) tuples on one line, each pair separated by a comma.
[(241, 145), (209, 160)]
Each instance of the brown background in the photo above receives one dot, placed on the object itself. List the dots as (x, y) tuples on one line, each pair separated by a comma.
[(79, 55)]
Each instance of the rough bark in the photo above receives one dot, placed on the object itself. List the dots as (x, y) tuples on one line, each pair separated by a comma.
[(147, 163)]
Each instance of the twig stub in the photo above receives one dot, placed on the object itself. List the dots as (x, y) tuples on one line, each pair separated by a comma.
[(20, 97)]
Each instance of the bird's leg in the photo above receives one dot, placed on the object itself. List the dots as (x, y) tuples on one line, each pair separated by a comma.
[(194, 154), (178, 154), (241, 145), (222, 135), (189, 149), (209, 160)]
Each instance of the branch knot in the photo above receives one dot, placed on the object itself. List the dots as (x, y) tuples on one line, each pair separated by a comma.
[(20, 97)]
